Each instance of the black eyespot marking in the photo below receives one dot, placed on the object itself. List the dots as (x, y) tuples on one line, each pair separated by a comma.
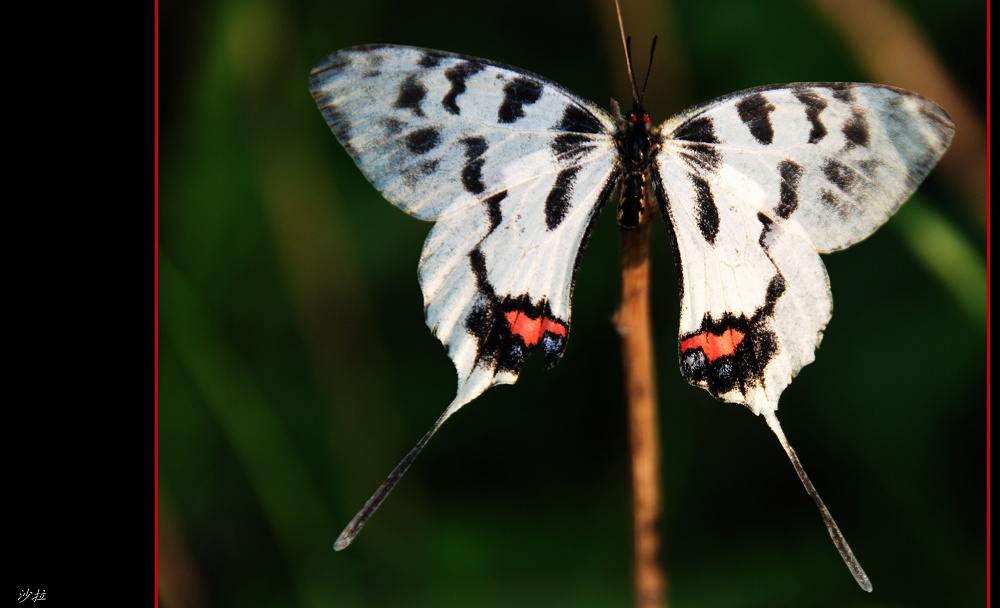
[(708, 213), (557, 202), (856, 129), (411, 95), (814, 106), (791, 173), (423, 141), (755, 113), (518, 93), (457, 76)]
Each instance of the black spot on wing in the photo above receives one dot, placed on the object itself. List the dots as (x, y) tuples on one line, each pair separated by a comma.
[(791, 174), (569, 147), (832, 200), (493, 209), (755, 112), (842, 92), (706, 211), (424, 140), (870, 166), (472, 172), (474, 146), (518, 93), (856, 130), (430, 59), (704, 156), (840, 175), (472, 176), (477, 261), (700, 132), (578, 120), (393, 126), (429, 167), (557, 202), (814, 106), (457, 76), (411, 94), (775, 289)]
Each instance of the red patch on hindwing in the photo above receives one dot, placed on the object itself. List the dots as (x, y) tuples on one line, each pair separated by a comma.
[(715, 345), (532, 329)]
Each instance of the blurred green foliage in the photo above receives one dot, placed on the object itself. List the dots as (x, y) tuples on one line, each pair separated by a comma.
[(295, 367)]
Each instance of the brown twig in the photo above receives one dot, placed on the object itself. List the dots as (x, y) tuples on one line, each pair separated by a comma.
[(633, 325)]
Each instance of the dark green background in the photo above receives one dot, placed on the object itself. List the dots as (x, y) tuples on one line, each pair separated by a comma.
[(295, 367)]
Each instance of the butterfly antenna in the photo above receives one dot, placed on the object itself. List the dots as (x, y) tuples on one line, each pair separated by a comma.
[(383, 490), (649, 70), (831, 526), (627, 43)]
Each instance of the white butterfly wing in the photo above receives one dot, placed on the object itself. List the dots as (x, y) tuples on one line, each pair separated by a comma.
[(513, 169), (755, 185)]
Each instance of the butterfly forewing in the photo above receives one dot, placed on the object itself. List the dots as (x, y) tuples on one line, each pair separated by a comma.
[(755, 185)]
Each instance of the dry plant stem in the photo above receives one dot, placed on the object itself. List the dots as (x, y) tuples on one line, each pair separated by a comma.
[(633, 325)]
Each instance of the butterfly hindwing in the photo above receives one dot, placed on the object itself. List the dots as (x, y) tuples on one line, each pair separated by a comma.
[(513, 169), (758, 183)]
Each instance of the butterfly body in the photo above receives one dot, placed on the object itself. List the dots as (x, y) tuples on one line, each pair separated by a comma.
[(514, 170), (636, 149)]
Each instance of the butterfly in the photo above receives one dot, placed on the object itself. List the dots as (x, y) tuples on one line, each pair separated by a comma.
[(514, 170)]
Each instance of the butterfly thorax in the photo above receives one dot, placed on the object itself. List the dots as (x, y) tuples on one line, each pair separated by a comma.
[(636, 150)]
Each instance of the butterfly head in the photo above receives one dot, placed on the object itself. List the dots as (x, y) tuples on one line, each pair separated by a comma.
[(638, 145)]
